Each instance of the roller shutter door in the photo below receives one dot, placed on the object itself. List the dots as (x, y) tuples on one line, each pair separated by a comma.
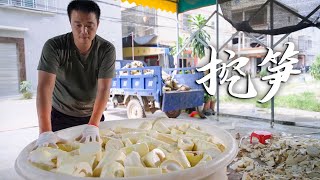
[(9, 72)]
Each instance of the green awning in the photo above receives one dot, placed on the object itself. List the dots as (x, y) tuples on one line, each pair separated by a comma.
[(187, 5)]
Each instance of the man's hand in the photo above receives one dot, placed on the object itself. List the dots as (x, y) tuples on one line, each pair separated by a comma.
[(48, 139), (89, 134)]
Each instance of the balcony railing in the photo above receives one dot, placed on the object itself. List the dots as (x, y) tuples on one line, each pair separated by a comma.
[(42, 5), (246, 42)]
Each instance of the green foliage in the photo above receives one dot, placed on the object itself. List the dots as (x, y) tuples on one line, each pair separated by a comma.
[(25, 86), (27, 95), (263, 105), (198, 49), (25, 89), (315, 69), (181, 42), (263, 73), (304, 101)]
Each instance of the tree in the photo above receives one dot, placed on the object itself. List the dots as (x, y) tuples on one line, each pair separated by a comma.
[(315, 68), (198, 49), (181, 42)]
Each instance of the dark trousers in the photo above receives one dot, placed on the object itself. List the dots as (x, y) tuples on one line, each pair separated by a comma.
[(61, 121)]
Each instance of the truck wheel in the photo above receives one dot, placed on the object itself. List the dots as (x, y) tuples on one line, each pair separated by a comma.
[(173, 114), (135, 109)]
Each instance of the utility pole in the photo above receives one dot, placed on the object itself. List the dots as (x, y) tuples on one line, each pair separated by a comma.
[(132, 45)]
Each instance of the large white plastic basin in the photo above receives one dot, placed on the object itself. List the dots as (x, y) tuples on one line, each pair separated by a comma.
[(215, 169)]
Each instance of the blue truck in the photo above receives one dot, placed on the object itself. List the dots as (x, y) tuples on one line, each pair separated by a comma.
[(143, 92)]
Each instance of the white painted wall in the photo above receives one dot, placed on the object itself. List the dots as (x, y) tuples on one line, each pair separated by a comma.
[(166, 26)]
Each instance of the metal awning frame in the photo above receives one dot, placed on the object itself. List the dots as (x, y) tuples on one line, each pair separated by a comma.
[(273, 45)]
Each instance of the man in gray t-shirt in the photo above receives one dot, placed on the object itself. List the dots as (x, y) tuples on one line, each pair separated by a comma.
[(74, 78)]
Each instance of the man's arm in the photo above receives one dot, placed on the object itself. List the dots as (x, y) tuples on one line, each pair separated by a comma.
[(46, 82), (103, 93)]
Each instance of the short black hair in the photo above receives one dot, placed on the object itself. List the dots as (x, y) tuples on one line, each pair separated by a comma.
[(86, 6)]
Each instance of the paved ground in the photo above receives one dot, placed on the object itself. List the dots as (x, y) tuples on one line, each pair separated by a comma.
[(19, 128), (282, 115)]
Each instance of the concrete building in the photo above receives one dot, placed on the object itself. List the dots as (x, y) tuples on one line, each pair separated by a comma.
[(147, 35), (305, 40), (26, 25)]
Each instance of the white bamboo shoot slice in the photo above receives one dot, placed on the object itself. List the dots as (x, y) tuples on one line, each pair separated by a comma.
[(116, 144), (146, 125), (112, 169), (109, 156), (185, 144), (154, 158), (171, 166), (141, 148), (160, 127), (133, 159)]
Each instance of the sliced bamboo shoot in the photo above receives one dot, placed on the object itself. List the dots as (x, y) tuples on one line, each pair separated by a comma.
[(133, 159), (112, 169), (116, 144), (109, 156), (146, 125), (154, 158), (161, 127), (170, 166), (194, 157), (133, 136), (119, 130), (91, 148), (167, 138), (127, 142), (200, 145), (82, 169), (154, 143), (181, 158), (76, 159), (106, 132), (184, 127), (69, 146), (176, 131), (43, 157), (141, 148), (185, 144), (194, 131)]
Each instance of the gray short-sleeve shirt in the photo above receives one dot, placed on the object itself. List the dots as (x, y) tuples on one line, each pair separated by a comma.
[(76, 75)]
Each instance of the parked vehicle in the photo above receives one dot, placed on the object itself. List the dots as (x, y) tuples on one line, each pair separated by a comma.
[(143, 91)]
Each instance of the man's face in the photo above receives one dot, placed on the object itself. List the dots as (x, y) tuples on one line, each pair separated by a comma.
[(84, 27)]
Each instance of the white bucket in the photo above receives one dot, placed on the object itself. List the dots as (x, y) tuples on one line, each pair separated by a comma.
[(215, 169)]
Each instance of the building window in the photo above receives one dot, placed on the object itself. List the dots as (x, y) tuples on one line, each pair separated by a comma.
[(43, 5), (235, 40), (182, 63), (237, 17), (29, 3), (258, 19)]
